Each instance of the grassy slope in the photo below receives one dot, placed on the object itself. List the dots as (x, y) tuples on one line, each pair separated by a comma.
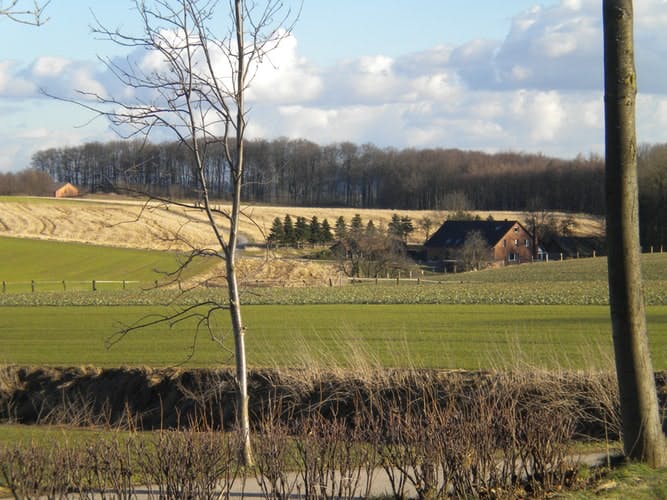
[(24, 260)]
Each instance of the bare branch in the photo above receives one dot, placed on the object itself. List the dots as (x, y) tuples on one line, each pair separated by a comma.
[(32, 16)]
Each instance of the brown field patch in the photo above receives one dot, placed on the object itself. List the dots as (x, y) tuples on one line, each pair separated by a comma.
[(134, 224)]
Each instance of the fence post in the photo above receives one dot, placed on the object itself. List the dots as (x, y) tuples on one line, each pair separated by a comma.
[(4, 287), (155, 283), (32, 285), (94, 286), (123, 284), (64, 286)]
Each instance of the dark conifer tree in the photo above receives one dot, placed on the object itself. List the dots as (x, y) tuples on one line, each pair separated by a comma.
[(326, 235), (341, 228), (288, 231), (277, 233), (315, 236)]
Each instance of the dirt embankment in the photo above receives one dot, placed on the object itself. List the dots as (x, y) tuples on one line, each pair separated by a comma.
[(170, 398)]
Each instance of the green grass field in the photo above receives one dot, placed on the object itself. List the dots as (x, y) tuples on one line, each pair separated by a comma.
[(48, 263), (546, 315), (433, 336)]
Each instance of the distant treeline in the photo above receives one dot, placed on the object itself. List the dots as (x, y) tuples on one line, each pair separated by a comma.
[(302, 173), (27, 182), (299, 172)]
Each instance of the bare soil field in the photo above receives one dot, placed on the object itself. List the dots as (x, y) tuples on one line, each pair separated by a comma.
[(135, 224)]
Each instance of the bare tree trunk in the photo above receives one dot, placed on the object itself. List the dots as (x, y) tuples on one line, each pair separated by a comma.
[(232, 280), (642, 434), (241, 366)]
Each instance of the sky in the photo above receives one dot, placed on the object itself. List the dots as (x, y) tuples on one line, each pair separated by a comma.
[(488, 75)]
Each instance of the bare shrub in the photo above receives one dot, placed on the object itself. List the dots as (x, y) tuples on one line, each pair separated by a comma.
[(35, 471), (275, 455), (101, 468), (189, 464), (332, 460)]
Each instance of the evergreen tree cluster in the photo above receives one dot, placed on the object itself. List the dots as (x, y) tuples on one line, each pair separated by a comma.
[(287, 233), (297, 233)]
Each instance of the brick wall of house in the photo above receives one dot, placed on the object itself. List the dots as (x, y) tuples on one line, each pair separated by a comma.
[(515, 247)]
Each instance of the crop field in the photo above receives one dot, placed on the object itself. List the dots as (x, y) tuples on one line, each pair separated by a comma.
[(130, 223), (432, 336)]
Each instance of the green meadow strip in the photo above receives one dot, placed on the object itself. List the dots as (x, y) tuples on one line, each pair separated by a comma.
[(415, 335)]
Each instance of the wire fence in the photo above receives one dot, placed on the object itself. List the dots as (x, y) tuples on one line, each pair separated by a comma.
[(35, 286)]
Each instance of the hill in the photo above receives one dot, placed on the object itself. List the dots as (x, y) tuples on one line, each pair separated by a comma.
[(135, 224)]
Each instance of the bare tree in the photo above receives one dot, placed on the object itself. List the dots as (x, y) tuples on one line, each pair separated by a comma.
[(24, 15), (642, 434), (195, 89), (475, 253)]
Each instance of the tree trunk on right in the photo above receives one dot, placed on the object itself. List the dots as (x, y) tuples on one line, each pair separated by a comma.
[(642, 433)]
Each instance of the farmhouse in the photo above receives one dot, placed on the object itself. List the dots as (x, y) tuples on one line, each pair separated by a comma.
[(505, 242), (65, 190)]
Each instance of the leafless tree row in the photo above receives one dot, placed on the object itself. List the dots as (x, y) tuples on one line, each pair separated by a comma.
[(299, 172)]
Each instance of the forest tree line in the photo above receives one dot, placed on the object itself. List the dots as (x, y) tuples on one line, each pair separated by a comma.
[(298, 172)]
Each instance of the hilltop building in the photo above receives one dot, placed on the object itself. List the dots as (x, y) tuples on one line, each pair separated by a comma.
[(66, 190)]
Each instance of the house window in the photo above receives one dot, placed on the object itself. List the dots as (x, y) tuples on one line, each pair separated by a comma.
[(504, 243), (511, 257), (516, 229), (527, 243), (516, 242)]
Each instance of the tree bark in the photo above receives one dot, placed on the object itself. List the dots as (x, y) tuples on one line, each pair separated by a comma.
[(642, 434), (232, 281)]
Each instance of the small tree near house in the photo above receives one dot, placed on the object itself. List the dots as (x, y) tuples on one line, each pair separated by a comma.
[(475, 253)]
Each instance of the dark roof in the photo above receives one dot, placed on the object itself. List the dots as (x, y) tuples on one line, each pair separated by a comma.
[(453, 232)]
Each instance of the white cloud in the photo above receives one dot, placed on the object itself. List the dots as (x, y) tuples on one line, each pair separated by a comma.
[(539, 113), (284, 77), (538, 89), (46, 66), (11, 84)]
